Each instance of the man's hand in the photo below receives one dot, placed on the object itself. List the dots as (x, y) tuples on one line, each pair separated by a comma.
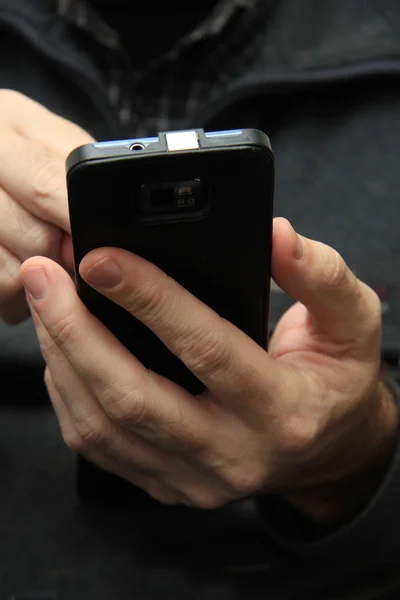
[(34, 144), (309, 421)]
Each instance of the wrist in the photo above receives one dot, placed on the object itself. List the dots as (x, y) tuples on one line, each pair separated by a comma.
[(364, 467)]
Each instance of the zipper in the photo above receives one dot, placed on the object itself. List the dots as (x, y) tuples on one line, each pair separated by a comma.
[(73, 70)]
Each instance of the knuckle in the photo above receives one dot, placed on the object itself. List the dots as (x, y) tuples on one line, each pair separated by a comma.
[(91, 433), (373, 310), (9, 274), (44, 240), (336, 273), (47, 180), (63, 332), (296, 436), (47, 348), (147, 301), (125, 406), (204, 351), (72, 440), (207, 500), (48, 380), (244, 482), (160, 492)]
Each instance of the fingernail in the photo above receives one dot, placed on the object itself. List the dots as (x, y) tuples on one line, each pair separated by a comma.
[(298, 251), (105, 274), (35, 281)]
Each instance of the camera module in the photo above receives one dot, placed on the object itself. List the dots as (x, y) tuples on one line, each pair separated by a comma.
[(171, 198)]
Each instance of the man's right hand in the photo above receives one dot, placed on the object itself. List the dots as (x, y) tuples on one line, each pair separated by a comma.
[(34, 220)]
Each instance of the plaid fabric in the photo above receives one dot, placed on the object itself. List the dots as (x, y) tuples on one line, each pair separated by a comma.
[(169, 91)]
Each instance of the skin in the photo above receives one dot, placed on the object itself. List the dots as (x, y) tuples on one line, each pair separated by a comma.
[(291, 422), (33, 198)]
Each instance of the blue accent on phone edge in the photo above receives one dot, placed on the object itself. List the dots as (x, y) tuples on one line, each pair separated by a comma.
[(152, 140)]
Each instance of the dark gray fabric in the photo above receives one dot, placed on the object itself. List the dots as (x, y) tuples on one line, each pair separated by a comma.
[(154, 95), (50, 542), (326, 88)]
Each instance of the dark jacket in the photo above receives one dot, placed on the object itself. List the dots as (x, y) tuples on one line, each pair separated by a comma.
[(326, 88)]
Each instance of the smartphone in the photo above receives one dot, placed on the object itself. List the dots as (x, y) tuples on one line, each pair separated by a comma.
[(199, 206)]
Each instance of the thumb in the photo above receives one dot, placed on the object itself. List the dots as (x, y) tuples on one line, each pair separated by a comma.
[(318, 277)]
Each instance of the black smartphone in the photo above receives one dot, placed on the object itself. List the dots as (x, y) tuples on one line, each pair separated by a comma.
[(199, 206)]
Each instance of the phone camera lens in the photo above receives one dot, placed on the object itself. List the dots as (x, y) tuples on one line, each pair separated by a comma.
[(172, 198)]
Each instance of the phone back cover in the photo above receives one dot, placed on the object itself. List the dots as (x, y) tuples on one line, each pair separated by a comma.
[(222, 257)]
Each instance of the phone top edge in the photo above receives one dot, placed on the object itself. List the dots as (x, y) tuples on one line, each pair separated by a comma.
[(152, 140), (125, 143), (160, 144)]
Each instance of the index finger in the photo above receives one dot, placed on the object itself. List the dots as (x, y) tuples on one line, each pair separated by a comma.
[(32, 120), (130, 395), (217, 352), (34, 144), (34, 176)]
